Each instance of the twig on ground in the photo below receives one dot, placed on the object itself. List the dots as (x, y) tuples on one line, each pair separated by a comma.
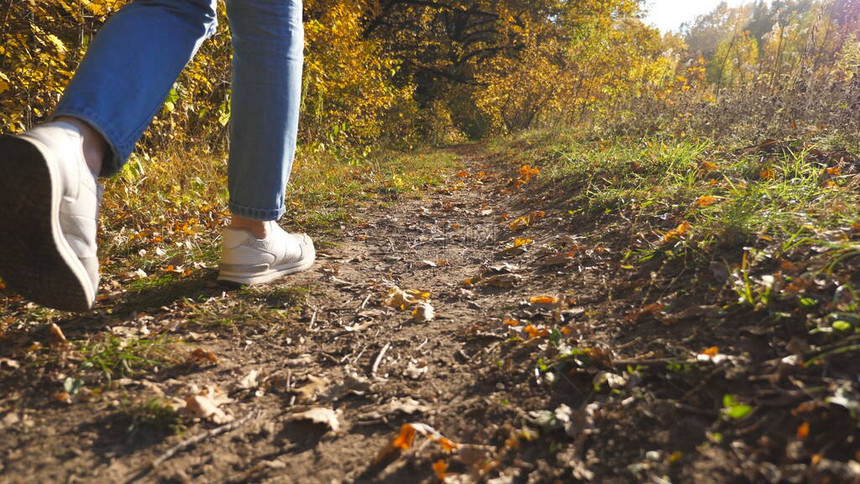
[(378, 360), (191, 442), (313, 320), (364, 303)]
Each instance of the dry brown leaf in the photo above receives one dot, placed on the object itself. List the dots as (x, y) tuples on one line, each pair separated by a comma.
[(416, 370), (502, 281), (199, 355), (318, 415), (313, 389), (202, 407), (557, 259), (398, 298), (250, 381), (423, 312), (56, 336)]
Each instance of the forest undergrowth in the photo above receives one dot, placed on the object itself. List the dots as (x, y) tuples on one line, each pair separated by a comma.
[(655, 308), (645, 270)]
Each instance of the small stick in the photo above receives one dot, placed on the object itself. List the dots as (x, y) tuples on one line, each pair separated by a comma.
[(379, 359), (313, 320), (191, 442), (364, 303)]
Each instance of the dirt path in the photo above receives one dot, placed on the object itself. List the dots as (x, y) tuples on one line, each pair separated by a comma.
[(547, 360), (343, 350)]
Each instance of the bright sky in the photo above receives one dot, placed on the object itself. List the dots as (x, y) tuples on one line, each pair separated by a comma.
[(670, 14)]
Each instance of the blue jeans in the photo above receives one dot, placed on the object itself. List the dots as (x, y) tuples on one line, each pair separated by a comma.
[(133, 62)]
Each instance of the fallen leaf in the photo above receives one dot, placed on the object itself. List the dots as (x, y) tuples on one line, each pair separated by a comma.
[(423, 312), (319, 415), (536, 332), (557, 259), (502, 281), (11, 364), (405, 438), (416, 371), (441, 469), (803, 431), (706, 201), (679, 231), (398, 298), (545, 301), (503, 268), (203, 407), (199, 355), (521, 242), (712, 351), (250, 381), (313, 389), (56, 336)]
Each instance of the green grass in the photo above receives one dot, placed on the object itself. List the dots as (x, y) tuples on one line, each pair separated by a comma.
[(662, 183), (116, 357)]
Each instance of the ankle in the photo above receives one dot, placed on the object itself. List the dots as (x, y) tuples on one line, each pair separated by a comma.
[(94, 146), (258, 228)]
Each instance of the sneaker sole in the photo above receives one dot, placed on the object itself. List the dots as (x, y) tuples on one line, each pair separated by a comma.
[(252, 275), (35, 259)]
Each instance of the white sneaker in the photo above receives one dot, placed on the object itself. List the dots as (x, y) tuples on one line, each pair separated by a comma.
[(247, 260), (49, 202)]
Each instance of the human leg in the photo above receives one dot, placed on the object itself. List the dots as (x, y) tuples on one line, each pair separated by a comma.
[(48, 197), (131, 66), (268, 45)]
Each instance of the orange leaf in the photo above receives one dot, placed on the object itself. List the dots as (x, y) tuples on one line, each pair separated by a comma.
[(803, 431), (536, 332), (406, 437), (712, 351), (200, 355), (463, 174), (766, 174), (512, 322), (706, 201), (678, 231), (440, 468), (447, 445), (544, 300)]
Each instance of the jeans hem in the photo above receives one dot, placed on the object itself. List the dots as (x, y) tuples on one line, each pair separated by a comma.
[(114, 161), (261, 214)]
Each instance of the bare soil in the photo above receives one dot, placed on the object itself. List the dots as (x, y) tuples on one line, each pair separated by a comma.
[(543, 364)]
